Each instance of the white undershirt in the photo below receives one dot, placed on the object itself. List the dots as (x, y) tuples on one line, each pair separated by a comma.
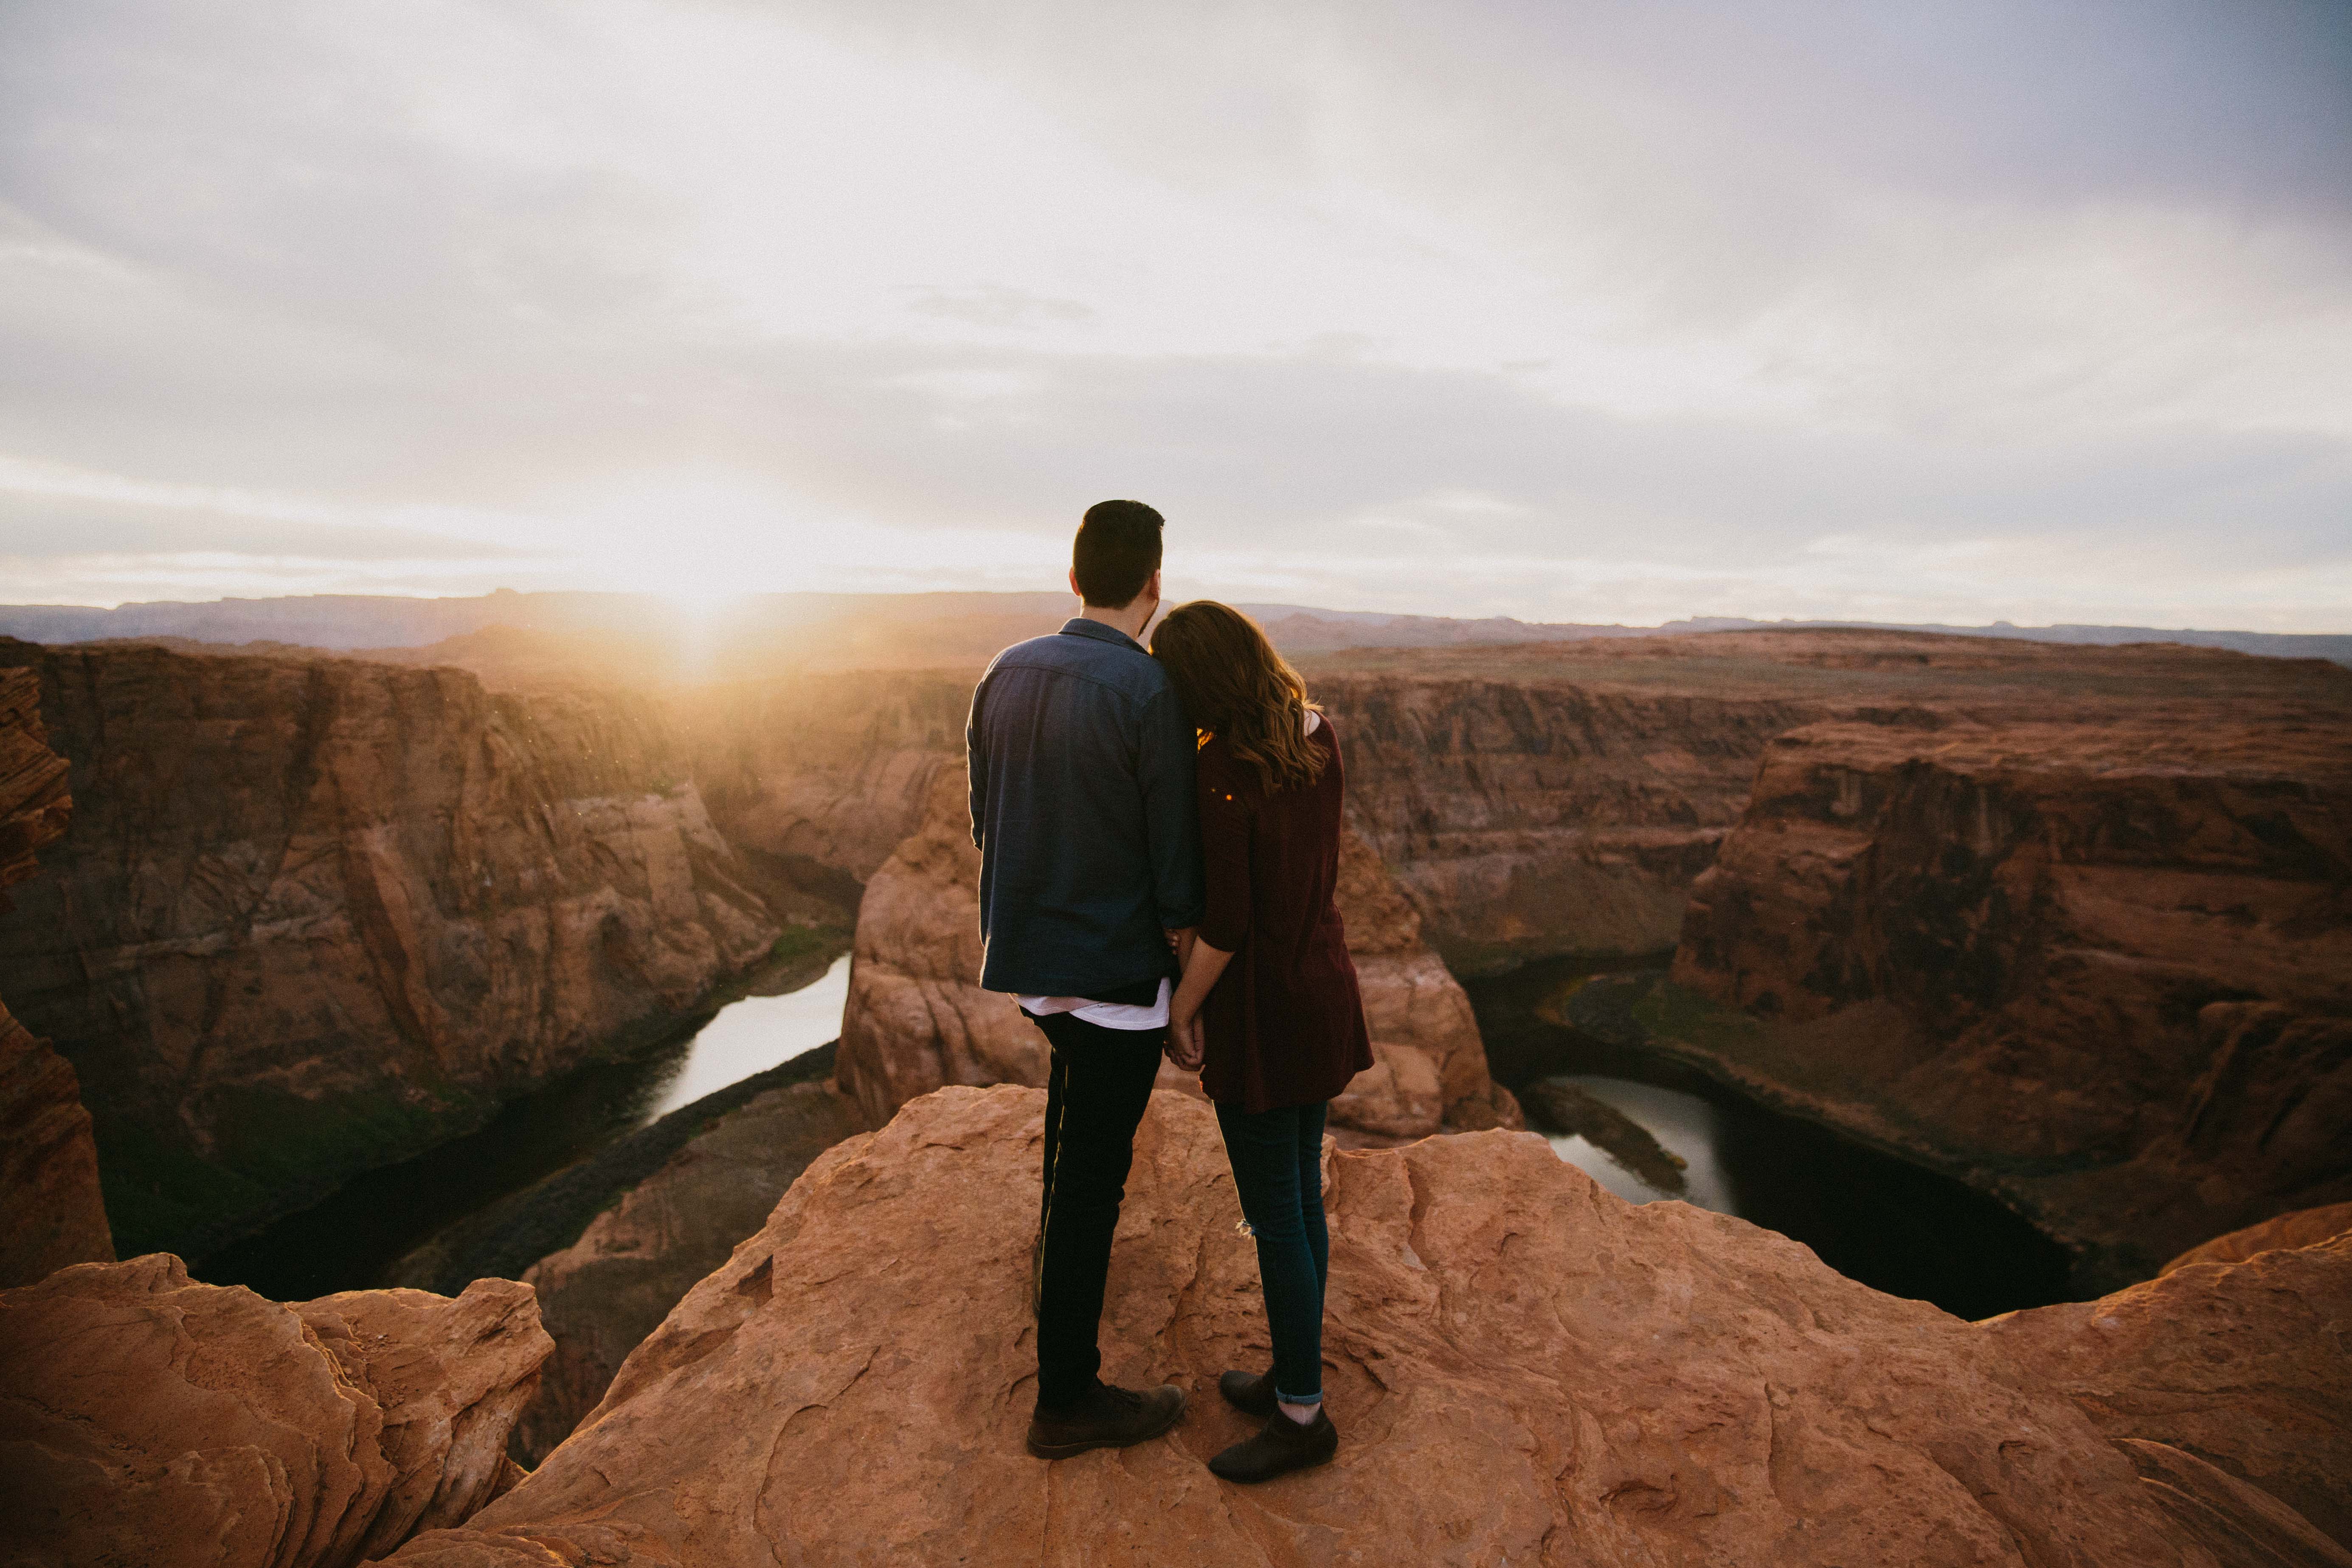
[(1110, 1014), (1119, 1014)]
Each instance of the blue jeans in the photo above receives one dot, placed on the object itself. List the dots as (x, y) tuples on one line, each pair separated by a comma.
[(1277, 1159)]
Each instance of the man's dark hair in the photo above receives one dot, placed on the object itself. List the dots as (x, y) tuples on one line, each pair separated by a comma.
[(1116, 553)]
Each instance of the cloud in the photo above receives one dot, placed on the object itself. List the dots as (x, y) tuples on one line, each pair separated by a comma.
[(2025, 309)]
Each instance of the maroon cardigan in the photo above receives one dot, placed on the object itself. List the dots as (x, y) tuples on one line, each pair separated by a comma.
[(1283, 1025)]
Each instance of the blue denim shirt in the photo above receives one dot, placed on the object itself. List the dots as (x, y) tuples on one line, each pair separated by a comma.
[(1082, 805)]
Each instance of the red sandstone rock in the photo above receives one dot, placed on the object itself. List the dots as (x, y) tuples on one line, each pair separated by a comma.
[(1561, 797), (48, 1163), (915, 1020), (605, 1292), (317, 916), (146, 1419), (2103, 969), (2247, 1366), (1524, 1369), (2303, 1227)]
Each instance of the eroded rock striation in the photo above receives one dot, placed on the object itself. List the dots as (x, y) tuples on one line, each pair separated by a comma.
[(603, 1294), (315, 916), (145, 1418), (2245, 1366), (916, 1020), (1560, 799), (1524, 1368), (2302, 1227), (48, 1161), (2103, 970)]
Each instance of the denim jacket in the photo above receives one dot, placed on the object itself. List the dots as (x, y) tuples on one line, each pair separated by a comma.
[(1083, 809)]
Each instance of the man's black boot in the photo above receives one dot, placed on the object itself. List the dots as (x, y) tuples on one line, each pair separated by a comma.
[(1252, 1396), (1109, 1417), (1283, 1447)]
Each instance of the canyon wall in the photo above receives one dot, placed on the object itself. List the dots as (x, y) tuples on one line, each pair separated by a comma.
[(1530, 818), (816, 779), (916, 1020), (1522, 1369), (49, 1160), (2101, 967), (313, 916), (148, 1420)]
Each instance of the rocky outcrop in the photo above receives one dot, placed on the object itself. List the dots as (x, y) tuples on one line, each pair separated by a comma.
[(1524, 1369), (2247, 1367), (147, 1419), (2104, 971), (603, 1294), (312, 917), (48, 1161), (915, 1019), (2302, 1227)]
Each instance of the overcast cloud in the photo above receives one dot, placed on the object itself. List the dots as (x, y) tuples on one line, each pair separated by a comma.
[(1603, 312)]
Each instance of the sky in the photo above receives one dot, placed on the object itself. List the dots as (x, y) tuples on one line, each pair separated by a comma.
[(1611, 310)]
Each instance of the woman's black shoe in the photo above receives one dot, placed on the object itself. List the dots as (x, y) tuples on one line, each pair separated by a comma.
[(1283, 1447), (1250, 1395)]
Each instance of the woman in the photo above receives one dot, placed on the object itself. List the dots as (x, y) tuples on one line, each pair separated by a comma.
[(1267, 1009)]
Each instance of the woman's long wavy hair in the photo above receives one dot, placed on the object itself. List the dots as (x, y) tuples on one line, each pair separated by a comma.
[(1232, 683)]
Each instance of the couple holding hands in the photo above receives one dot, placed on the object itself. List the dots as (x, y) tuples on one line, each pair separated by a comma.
[(1159, 831)]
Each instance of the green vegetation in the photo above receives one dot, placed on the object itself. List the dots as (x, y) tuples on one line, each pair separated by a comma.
[(270, 1147), (808, 941)]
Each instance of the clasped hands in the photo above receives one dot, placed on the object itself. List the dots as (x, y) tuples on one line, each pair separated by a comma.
[(1185, 1047)]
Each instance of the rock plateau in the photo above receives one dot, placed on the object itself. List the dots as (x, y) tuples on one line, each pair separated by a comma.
[(1525, 1369)]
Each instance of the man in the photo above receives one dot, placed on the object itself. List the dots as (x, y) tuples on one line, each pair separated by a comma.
[(1090, 873)]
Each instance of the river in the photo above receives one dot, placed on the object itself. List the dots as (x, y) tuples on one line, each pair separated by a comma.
[(346, 1242), (1892, 1224), (1878, 1220)]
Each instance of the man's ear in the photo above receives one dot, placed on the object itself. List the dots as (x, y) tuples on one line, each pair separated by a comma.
[(1151, 588), (1073, 585)]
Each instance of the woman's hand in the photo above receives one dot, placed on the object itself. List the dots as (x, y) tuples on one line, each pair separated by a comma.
[(1185, 1047)]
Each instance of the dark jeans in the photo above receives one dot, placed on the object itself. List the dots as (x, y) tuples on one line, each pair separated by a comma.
[(1277, 1159), (1094, 1099)]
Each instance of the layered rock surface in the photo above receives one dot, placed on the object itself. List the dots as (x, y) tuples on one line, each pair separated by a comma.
[(147, 1419), (2101, 969), (2302, 1227), (1524, 1369), (49, 1160), (603, 1294), (1553, 799), (916, 1020), (2246, 1366), (316, 916)]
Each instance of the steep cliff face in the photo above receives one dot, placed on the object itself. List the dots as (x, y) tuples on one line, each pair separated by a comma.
[(1562, 798), (48, 1161), (818, 778), (1523, 1369), (2103, 969), (148, 1420), (915, 1020), (1527, 818), (312, 917)]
